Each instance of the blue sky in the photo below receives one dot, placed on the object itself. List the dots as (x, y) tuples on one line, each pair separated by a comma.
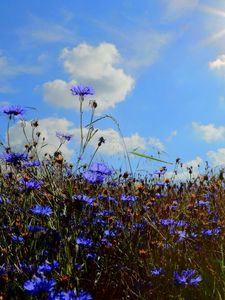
[(158, 68)]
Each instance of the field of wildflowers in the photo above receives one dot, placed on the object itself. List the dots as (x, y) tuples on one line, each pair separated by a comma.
[(88, 232)]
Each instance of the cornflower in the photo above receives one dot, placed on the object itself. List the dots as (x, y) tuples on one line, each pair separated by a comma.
[(80, 90), (41, 210), (187, 277), (64, 136), (39, 285), (12, 110)]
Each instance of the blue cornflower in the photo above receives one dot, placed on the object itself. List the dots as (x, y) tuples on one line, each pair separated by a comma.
[(156, 271), (41, 210), (17, 238), (202, 203), (62, 295), (82, 296), (187, 277), (128, 198), (35, 228), (93, 177), (100, 168), (64, 136), (31, 184), (82, 241), (209, 232), (12, 110), (14, 158), (84, 198), (39, 285), (32, 163), (82, 91), (166, 222), (182, 234), (47, 267)]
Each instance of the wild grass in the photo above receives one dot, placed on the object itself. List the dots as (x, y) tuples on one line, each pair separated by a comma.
[(87, 232)]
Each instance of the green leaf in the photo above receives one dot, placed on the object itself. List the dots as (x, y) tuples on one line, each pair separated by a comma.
[(150, 157)]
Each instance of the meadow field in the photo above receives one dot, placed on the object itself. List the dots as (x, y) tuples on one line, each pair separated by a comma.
[(86, 231)]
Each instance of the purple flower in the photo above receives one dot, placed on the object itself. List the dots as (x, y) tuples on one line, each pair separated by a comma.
[(39, 285), (84, 198), (14, 158), (81, 241), (209, 232), (187, 277), (82, 91), (64, 136), (12, 110), (41, 210), (166, 222), (100, 168), (157, 271), (31, 184), (69, 295), (129, 198), (33, 163), (35, 229), (17, 238), (47, 267)]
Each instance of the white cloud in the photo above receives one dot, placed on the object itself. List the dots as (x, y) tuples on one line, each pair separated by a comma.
[(219, 63), (176, 8), (172, 135), (48, 128), (93, 66), (155, 142), (113, 141), (217, 157), (209, 132)]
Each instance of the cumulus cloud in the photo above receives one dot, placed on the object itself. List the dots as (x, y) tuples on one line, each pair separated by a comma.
[(217, 157), (48, 128), (155, 142), (209, 133), (93, 66), (218, 63)]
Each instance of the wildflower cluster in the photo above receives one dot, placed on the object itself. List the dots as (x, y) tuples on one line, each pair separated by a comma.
[(95, 233)]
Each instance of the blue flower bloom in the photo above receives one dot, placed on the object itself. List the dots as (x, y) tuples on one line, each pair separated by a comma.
[(12, 110), (64, 136), (17, 238), (128, 198), (41, 210), (35, 228), (84, 198), (100, 168), (39, 285), (97, 173), (31, 184), (69, 295), (82, 241), (47, 267), (93, 177), (209, 232), (166, 222), (156, 271), (82, 91), (187, 277), (14, 158), (32, 163)]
